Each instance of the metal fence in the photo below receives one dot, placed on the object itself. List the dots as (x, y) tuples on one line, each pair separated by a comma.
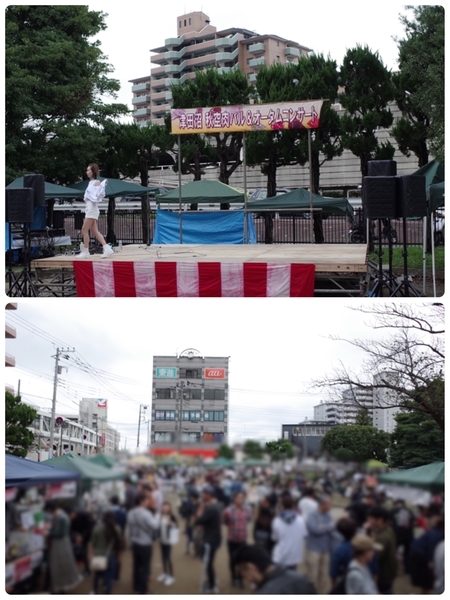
[(286, 229)]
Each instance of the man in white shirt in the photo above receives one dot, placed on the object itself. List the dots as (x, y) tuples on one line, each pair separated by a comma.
[(307, 504), (288, 533)]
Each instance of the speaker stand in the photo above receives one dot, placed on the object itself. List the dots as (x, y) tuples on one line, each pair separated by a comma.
[(383, 280), (22, 285), (405, 288)]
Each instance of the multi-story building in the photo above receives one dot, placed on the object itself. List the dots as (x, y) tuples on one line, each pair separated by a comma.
[(306, 436), (198, 45), (189, 403), (94, 414), (10, 333), (385, 403)]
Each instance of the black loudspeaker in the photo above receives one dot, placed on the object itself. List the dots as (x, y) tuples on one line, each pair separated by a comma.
[(411, 196), (36, 182), (379, 197), (381, 168), (79, 218), (58, 220), (19, 205)]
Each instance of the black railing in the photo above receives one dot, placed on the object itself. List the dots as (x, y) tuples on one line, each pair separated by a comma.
[(286, 229)]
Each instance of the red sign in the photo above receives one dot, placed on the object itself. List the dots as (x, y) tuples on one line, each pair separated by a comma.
[(22, 569), (212, 373), (103, 440)]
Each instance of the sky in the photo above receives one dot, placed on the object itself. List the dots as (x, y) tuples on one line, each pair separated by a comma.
[(328, 28), (275, 347)]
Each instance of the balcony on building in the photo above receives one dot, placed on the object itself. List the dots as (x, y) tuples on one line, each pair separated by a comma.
[(140, 100), (140, 87), (159, 84), (252, 77), (174, 41), (201, 61), (221, 70), (227, 42), (222, 57), (158, 96), (141, 112), (10, 361), (255, 63), (10, 332), (175, 54), (168, 96), (292, 52), (257, 48), (174, 68)]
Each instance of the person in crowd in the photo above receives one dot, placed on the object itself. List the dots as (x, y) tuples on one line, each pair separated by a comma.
[(422, 549), (81, 526), (236, 518), (359, 509), (342, 554), (378, 522), (187, 511), (319, 544), (130, 494), (262, 527), (358, 578), (439, 568), (307, 503), (64, 575), (120, 514), (288, 533), (142, 523), (256, 567), (158, 495), (168, 526), (106, 540), (209, 517), (403, 521)]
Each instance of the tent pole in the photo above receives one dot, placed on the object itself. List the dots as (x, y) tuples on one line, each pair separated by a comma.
[(179, 190), (311, 223), (245, 190), (424, 252)]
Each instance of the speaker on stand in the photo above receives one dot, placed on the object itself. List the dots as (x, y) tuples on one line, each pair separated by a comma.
[(19, 208), (411, 202)]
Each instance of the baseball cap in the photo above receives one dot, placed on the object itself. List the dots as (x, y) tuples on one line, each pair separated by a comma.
[(363, 542)]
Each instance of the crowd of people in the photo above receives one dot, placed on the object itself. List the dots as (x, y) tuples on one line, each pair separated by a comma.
[(281, 534)]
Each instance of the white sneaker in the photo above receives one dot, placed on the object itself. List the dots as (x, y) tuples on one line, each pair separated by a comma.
[(107, 251), (161, 577), (83, 254), (169, 580)]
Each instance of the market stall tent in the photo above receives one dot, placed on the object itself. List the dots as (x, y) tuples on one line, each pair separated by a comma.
[(20, 472), (202, 192), (51, 190), (428, 477), (88, 470)]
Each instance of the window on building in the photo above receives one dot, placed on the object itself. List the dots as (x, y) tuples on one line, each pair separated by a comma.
[(179, 24), (185, 22), (190, 374), (286, 435), (160, 415), (164, 393), (194, 415), (214, 394), (170, 415), (278, 59), (163, 436), (189, 21), (185, 415), (214, 415)]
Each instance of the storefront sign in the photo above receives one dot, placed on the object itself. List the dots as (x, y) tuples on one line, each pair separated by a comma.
[(212, 373), (65, 489), (166, 372), (103, 440), (251, 117)]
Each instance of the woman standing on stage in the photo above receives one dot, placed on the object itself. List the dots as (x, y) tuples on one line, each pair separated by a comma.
[(95, 192)]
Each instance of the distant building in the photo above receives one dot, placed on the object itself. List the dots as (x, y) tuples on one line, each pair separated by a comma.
[(306, 436), (10, 333), (94, 414), (198, 45), (189, 403)]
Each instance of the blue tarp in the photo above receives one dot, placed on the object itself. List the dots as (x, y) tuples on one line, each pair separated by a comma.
[(22, 472), (224, 227)]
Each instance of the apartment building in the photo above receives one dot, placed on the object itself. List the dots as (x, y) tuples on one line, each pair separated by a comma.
[(189, 411), (10, 334), (198, 45)]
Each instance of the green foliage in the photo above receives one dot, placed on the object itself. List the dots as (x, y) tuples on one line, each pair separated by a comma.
[(280, 449), (363, 417), (362, 441), (416, 440), (225, 451), (18, 417), (368, 89), (55, 77), (415, 258), (421, 63), (253, 449)]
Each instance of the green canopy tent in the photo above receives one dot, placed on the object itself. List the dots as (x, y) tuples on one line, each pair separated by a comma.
[(88, 470), (219, 463), (104, 461), (428, 477), (51, 190), (300, 199), (202, 192)]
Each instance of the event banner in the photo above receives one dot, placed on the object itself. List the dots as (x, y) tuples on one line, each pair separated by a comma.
[(252, 117)]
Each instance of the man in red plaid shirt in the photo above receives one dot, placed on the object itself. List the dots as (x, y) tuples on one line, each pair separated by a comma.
[(236, 518)]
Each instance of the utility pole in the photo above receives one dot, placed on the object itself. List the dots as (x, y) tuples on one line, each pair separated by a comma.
[(82, 438), (59, 351), (142, 409), (180, 395)]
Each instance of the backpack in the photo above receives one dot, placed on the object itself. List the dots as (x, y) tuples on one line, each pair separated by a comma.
[(339, 586)]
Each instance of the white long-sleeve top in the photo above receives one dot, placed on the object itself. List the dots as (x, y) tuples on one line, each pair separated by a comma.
[(95, 193)]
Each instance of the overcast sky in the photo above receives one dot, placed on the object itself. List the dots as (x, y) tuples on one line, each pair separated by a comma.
[(275, 346), (328, 28)]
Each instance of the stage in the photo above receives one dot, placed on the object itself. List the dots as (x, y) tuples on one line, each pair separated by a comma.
[(208, 271)]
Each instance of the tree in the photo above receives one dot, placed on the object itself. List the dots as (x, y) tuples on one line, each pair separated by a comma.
[(253, 449), (421, 73), (408, 362), (415, 441), (224, 451), (280, 449), (18, 417), (363, 417), (211, 88), (55, 77), (367, 90), (362, 442)]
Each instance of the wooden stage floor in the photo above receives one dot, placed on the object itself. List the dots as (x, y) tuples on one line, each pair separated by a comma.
[(327, 258)]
